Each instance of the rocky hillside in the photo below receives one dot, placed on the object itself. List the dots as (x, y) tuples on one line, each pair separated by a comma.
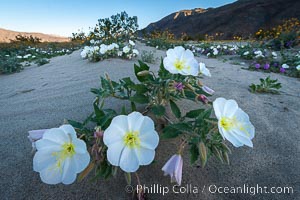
[(242, 18), (7, 35)]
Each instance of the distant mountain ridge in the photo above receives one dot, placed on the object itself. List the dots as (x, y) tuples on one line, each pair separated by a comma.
[(7, 35), (241, 18)]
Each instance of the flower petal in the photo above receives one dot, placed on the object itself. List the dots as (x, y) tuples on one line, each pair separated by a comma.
[(81, 161), (67, 128), (69, 172), (80, 146), (230, 108), (218, 105), (170, 165), (135, 121), (129, 161), (145, 156), (47, 144), (43, 159), (233, 140), (113, 134), (51, 175), (56, 135), (149, 139), (114, 152)]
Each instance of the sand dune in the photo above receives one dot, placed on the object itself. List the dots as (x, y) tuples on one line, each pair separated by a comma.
[(42, 97)]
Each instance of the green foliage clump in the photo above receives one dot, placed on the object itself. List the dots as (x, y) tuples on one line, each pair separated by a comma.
[(148, 56), (267, 85)]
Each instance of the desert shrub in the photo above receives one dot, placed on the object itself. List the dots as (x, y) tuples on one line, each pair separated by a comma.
[(148, 56), (9, 65), (117, 28), (42, 61)]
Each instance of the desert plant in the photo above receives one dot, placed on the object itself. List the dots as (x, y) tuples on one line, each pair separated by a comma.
[(42, 61), (267, 85), (148, 56)]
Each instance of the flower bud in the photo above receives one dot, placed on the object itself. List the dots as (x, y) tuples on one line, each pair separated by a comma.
[(226, 157), (190, 87), (143, 73), (203, 153), (199, 83), (203, 98)]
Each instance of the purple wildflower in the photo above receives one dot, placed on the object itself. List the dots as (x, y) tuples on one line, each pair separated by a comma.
[(282, 70), (179, 86), (257, 65), (267, 66)]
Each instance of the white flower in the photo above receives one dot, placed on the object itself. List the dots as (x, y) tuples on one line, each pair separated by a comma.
[(246, 53), (131, 43), (115, 45), (258, 54), (103, 49), (224, 47), (298, 67), (96, 48), (135, 51), (203, 70), (19, 57), (233, 122), (126, 49), (60, 155), (173, 167), (92, 41), (83, 53), (274, 54), (285, 66), (181, 61), (208, 54), (215, 51), (131, 141), (120, 53)]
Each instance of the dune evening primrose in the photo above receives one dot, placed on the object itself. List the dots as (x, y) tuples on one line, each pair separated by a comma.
[(181, 61), (60, 155), (173, 167), (285, 66), (126, 49), (131, 141), (233, 122), (203, 70)]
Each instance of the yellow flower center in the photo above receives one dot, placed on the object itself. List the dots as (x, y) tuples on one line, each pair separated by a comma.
[(68, 150), (131, 139), (179, 64), (227, 123)]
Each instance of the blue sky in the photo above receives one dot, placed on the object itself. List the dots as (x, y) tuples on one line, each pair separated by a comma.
[(62, 17)]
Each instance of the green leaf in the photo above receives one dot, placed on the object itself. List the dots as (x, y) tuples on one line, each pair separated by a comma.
[(194, 153), (158, 110), (182, 126), (175, 109), (169, 132), (140, 88), (139, 98), (75, 124), (194, 113)]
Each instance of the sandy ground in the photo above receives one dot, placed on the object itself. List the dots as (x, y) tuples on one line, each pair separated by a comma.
[(42, 97)]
